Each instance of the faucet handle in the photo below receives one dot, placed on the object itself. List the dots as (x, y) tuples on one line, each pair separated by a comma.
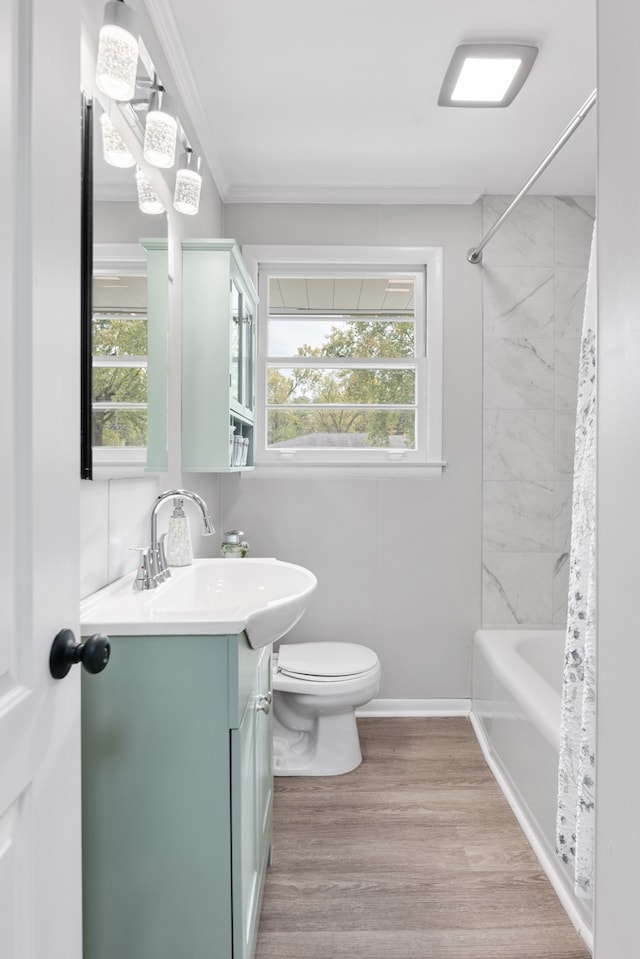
[(144, 576), (163, 571)]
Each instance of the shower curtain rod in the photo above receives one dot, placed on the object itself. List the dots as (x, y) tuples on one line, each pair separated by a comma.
[(475, 253)]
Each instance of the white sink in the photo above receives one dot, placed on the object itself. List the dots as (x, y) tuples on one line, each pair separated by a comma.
[(263, 597)]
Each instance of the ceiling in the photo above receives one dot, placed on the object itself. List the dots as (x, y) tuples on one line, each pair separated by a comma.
[(340, 295), (126, 294), (336, 100)]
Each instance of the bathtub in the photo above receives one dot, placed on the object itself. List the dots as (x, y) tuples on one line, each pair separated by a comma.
[(516, 697)]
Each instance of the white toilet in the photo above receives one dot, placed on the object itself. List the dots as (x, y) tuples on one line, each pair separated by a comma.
[(317, 688)]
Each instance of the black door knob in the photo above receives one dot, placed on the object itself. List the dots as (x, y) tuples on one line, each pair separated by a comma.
[(65, 652)]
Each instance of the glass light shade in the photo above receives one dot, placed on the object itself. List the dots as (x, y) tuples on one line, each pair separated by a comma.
[(160, 132), (115, 150), (117, 59), (186, 197), (148, 199)]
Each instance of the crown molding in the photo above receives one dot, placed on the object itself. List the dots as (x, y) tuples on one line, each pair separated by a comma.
[(380, 195), (166, 27)]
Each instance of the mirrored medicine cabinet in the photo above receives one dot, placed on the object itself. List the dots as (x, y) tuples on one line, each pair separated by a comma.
[(124, 319), (125, 316)]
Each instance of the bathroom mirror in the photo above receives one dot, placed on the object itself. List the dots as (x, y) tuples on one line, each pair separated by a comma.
[(116, 323)]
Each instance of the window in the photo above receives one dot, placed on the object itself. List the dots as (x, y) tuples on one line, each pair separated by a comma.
[(349, 358), (119, 381)]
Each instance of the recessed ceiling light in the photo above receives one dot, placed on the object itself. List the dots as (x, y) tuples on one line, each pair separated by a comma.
[(483, 79), (486, 74)]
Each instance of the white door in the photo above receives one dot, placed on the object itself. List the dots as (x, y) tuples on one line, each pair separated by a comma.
[(40, 879)]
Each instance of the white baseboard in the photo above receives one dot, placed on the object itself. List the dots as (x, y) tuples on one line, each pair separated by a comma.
[(548, 863), (378, 708)]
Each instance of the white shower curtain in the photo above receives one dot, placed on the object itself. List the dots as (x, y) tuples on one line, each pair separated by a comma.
[(576, 773)]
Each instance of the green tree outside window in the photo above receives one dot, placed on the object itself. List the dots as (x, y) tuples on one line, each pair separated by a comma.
[(362, 338), (119, 336)]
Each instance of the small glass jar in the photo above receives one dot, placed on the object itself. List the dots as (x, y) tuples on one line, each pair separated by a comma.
[(234, 545)]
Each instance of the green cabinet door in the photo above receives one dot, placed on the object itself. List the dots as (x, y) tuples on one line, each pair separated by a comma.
[(156, 801), (251, 810)]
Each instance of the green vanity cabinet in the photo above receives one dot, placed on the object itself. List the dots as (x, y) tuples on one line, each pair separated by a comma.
[(219, 305), (177, 798)]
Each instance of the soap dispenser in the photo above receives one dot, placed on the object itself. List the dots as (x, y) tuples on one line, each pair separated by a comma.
[(178, 546)]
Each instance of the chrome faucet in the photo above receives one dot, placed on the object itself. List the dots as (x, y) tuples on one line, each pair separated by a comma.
[(153, 569)]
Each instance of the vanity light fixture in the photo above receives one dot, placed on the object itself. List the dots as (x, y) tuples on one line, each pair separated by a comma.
[(117, 58), (148, 199), (186, 198), (114, 149), (160, 131), (152, 116), (486, 74)]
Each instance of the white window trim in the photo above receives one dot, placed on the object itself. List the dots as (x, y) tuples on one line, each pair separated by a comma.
[(369, 462)]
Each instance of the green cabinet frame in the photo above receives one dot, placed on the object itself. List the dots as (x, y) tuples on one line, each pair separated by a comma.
[(217, 380)]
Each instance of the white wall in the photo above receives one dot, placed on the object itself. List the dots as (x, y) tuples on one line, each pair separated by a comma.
[(398, 561), (617, 916)]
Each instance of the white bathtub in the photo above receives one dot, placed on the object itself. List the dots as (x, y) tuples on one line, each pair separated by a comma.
[(517, 686)]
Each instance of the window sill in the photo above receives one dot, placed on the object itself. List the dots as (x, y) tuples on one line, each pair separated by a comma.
[(345, 471), (121, 471), (122, 462)]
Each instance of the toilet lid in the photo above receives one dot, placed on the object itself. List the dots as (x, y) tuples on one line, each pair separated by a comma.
[(325, 659)]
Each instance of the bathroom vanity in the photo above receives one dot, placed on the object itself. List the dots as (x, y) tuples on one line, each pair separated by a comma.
[(177, 797), (177, 758)]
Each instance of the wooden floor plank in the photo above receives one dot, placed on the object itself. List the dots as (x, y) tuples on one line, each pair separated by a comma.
[(412, 945), (415, 854)]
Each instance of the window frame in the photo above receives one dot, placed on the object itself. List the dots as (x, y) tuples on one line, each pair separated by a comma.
[(266, 261)]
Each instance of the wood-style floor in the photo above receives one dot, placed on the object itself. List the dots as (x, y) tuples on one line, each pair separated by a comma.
[(414, 855)]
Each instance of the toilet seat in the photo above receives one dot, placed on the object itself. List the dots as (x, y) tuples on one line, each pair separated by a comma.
[(326, 662)]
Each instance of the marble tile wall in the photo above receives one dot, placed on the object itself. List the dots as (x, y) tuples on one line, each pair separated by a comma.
[(534, 280)]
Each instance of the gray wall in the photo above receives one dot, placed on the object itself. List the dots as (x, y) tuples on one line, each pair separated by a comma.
[(398, 561), (534, 277)]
